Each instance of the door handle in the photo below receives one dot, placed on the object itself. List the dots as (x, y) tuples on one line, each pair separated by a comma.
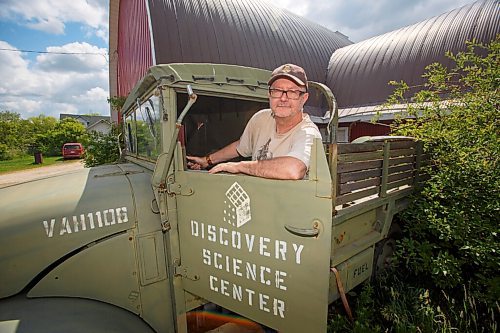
[(304, 232)]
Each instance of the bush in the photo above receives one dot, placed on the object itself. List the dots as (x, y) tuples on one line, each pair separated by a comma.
[(102, 148), (67, 130), (395, 305), (452, 227)]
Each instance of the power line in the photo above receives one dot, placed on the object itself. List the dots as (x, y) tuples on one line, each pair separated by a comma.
[(51, 52)]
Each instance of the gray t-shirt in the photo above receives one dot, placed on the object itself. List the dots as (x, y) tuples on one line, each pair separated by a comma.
[(260, 140)]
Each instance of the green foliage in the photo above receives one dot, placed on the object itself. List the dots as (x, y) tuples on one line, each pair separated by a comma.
[(395, 305), (117, 102), (102, 148), (12, 143), (67, 130), (45, 134), (452, 227)]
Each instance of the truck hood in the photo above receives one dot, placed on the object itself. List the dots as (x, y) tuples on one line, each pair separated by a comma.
[(44, 221)]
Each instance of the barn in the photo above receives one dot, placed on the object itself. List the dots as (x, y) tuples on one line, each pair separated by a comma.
[(358, 74), (255, 33), (251, 33)]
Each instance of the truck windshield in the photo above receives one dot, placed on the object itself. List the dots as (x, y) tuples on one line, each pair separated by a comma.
[(143, 129)]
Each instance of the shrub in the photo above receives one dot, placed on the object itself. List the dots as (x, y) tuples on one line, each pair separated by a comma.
[(452, 227), (102, 148)]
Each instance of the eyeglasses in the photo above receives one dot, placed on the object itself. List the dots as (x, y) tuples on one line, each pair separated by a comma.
[(291, 94)]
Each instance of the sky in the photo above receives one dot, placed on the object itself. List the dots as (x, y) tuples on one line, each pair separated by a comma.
[(68, 72)]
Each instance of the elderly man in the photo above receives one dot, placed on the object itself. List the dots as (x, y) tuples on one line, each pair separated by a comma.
[(279, 139)]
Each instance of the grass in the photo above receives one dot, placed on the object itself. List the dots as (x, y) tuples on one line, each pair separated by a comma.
[(393, 305), (27, 162)]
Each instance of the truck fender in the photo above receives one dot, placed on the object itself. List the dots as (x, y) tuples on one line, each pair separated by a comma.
[(21, 314)]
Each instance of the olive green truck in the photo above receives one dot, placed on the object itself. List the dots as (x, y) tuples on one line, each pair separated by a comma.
[(149, 245)]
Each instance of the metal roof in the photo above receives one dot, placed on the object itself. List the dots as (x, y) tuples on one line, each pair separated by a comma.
[(218, 78), (359, 74), (251, 33)]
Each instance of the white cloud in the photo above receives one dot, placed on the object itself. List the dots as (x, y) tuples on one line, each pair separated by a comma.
[(51, 15), (54, 83), (86, 58), (359, 19)]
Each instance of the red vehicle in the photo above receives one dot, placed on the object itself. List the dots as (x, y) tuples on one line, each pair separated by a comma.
[(72, 150)]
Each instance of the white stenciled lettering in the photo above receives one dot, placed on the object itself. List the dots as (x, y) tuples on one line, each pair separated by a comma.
[(99, 219), (121, 215), (223, 241), (213, 280), (239, 268), (249, 239), (236, 267), (298, 250), (263, 241), (237, 292), (263, 302), (194, 228), (109, 217), (49, 228), (212, 233), (263, 279), (65, 227), (280, 250), (85, 222), (90, 216), (236, 240), (250, 294), (79, 223), (223, 287), (251, 270), (279, 308), (260, 245), (216, 256), (228, 266), (247, 296), (279, 279), (206, 257)]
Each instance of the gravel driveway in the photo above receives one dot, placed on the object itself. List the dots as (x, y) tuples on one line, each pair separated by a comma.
[(22, 176)]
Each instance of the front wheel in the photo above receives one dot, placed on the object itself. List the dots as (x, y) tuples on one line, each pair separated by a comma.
[(384, 251)]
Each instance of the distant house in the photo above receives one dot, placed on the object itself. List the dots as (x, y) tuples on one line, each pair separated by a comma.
[(100, 124)]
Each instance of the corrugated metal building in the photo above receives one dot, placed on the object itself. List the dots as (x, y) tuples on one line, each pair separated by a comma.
[(243, 32), (359, 74)]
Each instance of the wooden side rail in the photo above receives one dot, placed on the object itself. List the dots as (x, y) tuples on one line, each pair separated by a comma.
[(374, 169)]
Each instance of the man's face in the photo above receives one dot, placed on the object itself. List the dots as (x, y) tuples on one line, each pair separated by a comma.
[(284, 106)]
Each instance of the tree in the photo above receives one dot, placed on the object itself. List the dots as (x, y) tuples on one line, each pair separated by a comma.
[(452, 226), (12, 142), (102, 148), (66, 130)]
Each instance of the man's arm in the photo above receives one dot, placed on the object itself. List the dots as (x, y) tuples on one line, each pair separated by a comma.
[(285, 167), (224, 154)]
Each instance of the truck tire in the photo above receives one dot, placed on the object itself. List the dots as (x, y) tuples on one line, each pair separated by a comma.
[(384, 251)]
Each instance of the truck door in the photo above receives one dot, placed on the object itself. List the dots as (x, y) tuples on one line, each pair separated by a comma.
[(258, 247)]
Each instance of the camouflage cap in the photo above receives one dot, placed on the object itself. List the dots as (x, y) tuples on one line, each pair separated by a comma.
[(290, 71)]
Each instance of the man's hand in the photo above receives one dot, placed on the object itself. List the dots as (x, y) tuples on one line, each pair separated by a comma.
[(197, 163), (231, 167), (285, 167)]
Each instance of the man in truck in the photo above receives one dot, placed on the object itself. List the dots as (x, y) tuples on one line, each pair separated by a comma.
[(278, 139)]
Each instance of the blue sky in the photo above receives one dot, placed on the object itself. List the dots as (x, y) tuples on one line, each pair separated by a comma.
[(53, 83)]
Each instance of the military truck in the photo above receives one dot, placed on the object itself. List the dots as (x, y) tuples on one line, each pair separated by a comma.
[(149, 245)]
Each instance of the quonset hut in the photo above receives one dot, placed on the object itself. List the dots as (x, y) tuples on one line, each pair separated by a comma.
[(359, 74), (251, 33)]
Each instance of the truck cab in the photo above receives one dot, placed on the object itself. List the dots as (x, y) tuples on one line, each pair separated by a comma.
[(159, 247)]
